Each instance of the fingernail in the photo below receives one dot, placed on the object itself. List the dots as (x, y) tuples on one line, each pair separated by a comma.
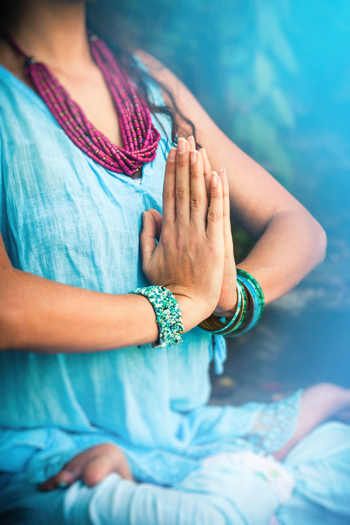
[(172, 155), (202, 149), (62, 485), (214, 178), (143, 216), (193, 156), (223, 175), (190, 137), (181, 145)]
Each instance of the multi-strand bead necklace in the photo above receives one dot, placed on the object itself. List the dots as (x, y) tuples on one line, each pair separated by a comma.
[(140, 137)]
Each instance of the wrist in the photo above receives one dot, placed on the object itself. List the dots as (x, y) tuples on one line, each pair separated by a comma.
[(168, 314), (219, 312), (228, 310), (192, 311)]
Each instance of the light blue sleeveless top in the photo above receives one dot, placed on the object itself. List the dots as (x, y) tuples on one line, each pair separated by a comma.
[(64, 217)]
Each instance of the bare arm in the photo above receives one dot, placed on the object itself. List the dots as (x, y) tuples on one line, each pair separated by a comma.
[(43, 315), (46, 316), (290, 242)]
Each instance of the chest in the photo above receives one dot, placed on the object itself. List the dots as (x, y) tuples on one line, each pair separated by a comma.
[(91, 92), (65, 217), (89, 89)]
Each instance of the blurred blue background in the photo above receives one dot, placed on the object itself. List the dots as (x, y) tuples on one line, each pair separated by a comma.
[(275, 77)]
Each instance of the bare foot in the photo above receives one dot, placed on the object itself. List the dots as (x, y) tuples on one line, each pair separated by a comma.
[(92, 466), (318, 403)]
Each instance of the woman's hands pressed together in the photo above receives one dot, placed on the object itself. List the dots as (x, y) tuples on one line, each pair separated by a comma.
[(189, 257), (227, 299)]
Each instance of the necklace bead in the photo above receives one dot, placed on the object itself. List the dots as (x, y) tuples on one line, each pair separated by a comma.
[(140, 137)]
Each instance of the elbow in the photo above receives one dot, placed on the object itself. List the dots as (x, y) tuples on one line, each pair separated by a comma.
[(320, 242), (315, 238)]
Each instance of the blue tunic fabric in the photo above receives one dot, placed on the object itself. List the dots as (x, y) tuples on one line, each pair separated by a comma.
[(64, 217)]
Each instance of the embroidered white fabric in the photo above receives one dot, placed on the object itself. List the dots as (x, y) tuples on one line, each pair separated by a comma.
[(270, 470)]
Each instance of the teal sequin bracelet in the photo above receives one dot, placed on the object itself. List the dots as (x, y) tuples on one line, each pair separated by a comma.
[(168, 315)]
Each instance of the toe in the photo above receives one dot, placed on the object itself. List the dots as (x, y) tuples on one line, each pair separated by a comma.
[(62, 480), (47, 485), (65, 478)]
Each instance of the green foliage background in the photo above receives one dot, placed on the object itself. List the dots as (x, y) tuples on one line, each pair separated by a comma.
[(274, 75), (232, 55)]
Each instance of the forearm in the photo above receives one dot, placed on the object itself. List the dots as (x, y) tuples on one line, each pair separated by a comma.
[(292, 244), (45, 316)]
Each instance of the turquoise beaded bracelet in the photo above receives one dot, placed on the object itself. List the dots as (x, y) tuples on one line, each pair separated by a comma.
[(168, 315)]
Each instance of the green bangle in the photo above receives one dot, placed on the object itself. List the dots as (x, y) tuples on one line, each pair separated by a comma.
[(214, 325), (248, 313), (168, 315), (257, 297), (243, 314)]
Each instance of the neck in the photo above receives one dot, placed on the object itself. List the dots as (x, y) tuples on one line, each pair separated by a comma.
[(54, 32)]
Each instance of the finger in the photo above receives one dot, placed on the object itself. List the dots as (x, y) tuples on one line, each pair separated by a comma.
[(147, 237), (169, 187), (215, 212), (226, 212), (182, 182), (159, 221), (198, 199), (191, 142), (207, 170)]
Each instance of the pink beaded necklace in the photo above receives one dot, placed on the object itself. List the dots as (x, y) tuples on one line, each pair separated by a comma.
[(140, 136)]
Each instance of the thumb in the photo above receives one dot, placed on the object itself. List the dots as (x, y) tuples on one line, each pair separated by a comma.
[(159, 220), (147, 237)]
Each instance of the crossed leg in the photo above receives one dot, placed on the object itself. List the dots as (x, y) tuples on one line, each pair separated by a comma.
[(318, 403)]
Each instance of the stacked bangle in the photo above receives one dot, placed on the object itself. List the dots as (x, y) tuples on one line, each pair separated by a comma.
[(168, 314), (249, 309)]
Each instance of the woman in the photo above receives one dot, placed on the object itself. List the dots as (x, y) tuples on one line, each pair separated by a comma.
[(97, 426)]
